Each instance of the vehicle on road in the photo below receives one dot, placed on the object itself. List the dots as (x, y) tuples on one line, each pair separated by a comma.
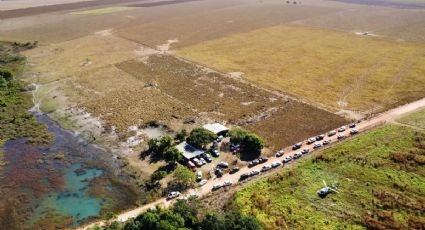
[(198, 175), (326, 142), (279, 153), (297, 146), (341, 136), (215, 153), (263, 159), (287, 159), (227, 183), (254, 172), (341, 129), (244, 176), (305, 151), (352, 126), (266, 168), (276, 164), (234, 170), (320, 137), (317, 145), (173, 195), (203, 182), (311, 140), (331, 133), (194, 195), (297, 155), (354, 131), (223, 164), (216, 187), (218, 172), (253, 163)]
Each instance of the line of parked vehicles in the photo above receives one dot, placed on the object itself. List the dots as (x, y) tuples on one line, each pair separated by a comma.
[(261, 160)]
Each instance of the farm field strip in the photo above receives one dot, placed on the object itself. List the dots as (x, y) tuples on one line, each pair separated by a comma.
[(342, 71)]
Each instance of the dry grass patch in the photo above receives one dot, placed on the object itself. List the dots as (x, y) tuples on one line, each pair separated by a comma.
[(104, 10), (340, 70)]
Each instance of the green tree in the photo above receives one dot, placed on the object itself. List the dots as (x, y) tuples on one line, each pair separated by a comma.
[(172, 155), (236, 221), (188, 209), (181, 136), (158, 147), (251, 144), (200, 137), (183, 178), (212, 221)]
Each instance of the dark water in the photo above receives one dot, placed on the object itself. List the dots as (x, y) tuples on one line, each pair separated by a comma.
[(388, 3), (59, 185)]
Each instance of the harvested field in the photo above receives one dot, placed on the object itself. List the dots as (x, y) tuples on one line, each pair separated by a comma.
[(213, 96), (36, 10), (100, 11), (294, 122), (340, 70)]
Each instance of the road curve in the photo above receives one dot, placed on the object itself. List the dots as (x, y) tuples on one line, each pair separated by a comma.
[(365, 125)]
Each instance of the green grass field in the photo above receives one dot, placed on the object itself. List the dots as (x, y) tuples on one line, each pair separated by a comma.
[(337, 69), (415, 119), (381, 177)]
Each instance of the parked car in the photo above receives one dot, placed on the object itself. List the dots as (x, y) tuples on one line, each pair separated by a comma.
[(218, 172), (194, 195), (297, 146), (320, 137), (353, 125), (244, 176), (216, 187), (227, 183), (276, 164), (234, 170), (198, 175), (203, 161), (197, 162), (279, 153), (254, 172), (215, 153), (311, 140), (297, 155), (317, 145), (341, 136), (223, 164), (208, 158), (341, 129), (266, 168), (253, 163), (287, 159), (191, 165), (354, 131), (326, 142), (219, 138), (203, 182), (331, 133), (173, 195), (305, 151), (263, 159)]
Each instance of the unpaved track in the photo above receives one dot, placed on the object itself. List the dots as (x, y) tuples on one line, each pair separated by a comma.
[(202, 191)]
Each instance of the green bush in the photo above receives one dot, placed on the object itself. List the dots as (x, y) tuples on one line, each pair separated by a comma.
[(200, 137)]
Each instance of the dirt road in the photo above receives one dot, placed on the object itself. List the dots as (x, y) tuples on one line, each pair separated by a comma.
[(202, 191)]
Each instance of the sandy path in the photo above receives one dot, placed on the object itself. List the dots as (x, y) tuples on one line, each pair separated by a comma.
[(202, 191)]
